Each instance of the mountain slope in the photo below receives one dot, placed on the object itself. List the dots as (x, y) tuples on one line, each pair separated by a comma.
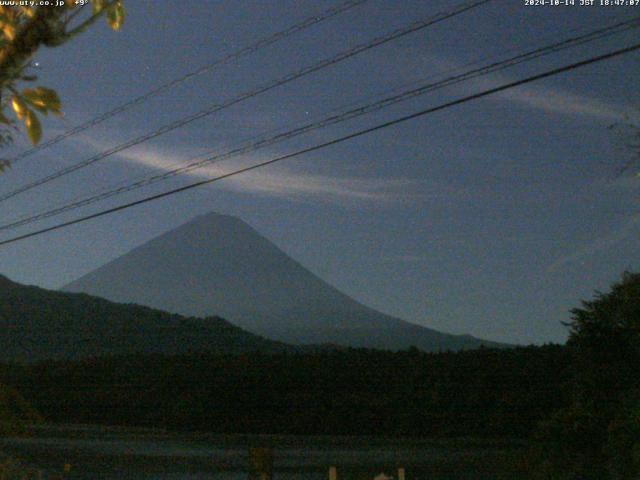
[(37, 324), (217, 264)]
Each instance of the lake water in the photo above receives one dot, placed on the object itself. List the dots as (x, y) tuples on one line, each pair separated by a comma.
[(118, 453)]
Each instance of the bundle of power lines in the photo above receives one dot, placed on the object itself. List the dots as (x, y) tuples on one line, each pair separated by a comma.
[(266, 140)]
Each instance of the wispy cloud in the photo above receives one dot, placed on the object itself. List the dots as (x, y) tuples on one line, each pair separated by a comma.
[(287, 183), (544, 98), (284, 181), (558, 101)]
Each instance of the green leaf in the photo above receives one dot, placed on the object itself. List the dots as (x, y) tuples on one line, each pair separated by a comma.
[(34, 129), (98, 6), (19, 107), (115, 15), (43, 99), (29, 12), (8, 30)]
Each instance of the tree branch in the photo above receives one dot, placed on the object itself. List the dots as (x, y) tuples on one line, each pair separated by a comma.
[(35, 31)]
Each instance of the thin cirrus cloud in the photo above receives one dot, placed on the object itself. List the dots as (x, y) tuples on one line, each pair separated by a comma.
[(561, 102), (550, 100), (558, 101), (283, 182)]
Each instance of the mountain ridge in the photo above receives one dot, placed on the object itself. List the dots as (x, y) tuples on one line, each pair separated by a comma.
[(217, 264), (38, 324)]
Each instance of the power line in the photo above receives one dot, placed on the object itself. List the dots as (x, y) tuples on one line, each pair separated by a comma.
[(249, 49), (335, 141), (341, 117), (401, 32)]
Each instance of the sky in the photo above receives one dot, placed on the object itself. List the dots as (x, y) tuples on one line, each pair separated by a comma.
[(493, 218)]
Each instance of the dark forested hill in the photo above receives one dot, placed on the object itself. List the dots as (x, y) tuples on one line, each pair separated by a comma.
[(38, 324), (486, 392)]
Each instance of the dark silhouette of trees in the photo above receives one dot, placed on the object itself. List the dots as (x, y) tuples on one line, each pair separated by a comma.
[(15, 412), (598, 436), (486, 393)]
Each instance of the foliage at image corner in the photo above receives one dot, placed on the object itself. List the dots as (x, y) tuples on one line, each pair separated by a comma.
[(598, 435), (23, 30)]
